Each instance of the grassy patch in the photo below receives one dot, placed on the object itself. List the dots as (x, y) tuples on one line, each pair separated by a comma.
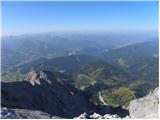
[(118, 96), (83, 81), (122, 63)]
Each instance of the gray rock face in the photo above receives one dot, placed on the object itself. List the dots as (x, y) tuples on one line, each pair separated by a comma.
[(7, 113), (42, 92), (146, 107), (35, 77)]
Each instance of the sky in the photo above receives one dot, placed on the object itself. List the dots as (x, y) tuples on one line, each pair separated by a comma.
[(33, 17)]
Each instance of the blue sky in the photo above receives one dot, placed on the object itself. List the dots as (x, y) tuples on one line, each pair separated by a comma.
[(31, 17)]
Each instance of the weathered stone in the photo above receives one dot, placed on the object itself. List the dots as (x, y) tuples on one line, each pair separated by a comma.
[(146, 107), (7, 113), (96, 116)]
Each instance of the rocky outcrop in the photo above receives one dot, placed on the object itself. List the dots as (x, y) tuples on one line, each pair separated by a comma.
[(146, 107), (41, 91), (38, 77), (97, 116)]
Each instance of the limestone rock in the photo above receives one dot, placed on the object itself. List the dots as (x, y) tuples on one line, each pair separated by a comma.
[(82, 116), (146, 107), (7, 113), (36, 77), (98, 116)]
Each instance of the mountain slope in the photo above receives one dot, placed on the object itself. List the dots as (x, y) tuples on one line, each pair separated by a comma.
[(111, 82), (126, 56), (67, 64), (140, 62), (100, 72), (43, 92)]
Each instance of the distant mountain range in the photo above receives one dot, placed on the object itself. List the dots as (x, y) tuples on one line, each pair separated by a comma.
[(24, 48)]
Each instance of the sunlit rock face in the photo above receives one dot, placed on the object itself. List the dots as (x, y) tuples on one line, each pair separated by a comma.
[(146, 107), (98, 116), (36, 77)]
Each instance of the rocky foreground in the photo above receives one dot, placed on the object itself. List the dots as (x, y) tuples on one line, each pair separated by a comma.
[(142, 108), (7, 113), (146, 107), (42, 96)]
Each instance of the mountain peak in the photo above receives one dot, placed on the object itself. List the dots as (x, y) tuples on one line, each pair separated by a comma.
[(36, 77)]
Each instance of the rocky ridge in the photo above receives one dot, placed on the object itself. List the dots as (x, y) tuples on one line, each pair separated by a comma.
[(42, 92)]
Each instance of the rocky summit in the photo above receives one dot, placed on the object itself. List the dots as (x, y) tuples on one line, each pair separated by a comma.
[(38, 77), (41, 91), (146, 107)]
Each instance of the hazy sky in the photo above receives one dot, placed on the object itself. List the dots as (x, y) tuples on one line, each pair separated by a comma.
[(31, 17)]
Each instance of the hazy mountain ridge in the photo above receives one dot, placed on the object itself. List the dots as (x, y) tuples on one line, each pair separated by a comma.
[(128, 54), (54, 45)]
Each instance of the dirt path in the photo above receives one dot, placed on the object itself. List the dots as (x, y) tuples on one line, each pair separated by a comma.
[(101, 99)]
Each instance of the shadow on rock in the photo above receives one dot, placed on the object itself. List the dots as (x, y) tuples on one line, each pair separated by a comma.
[(106, 109)]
